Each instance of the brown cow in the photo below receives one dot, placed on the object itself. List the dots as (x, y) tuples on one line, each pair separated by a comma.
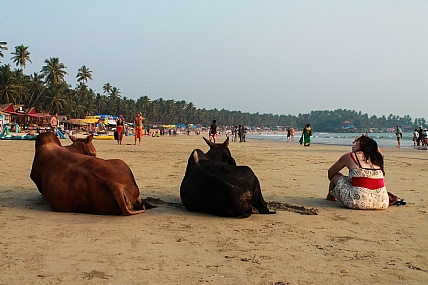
[(73, 182), (83, 146)]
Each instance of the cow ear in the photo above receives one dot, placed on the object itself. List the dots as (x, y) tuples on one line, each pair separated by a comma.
[(89, 138), (210, 144), (226, 143), (72, 138), (195, 156)]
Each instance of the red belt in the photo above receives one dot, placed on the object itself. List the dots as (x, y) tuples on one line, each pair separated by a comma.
[(366, 182)]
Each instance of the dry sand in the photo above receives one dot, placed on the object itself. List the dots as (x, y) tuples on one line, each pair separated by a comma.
[(170, 245)]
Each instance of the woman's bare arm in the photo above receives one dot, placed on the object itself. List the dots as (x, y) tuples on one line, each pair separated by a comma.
[(338, 165)]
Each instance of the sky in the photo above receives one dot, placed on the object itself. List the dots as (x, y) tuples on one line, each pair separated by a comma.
[(273, 57)]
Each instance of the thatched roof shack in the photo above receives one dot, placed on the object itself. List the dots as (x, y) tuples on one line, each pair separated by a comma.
[(87, 124)]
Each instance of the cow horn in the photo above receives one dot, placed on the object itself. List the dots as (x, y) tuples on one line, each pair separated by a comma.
[(209, 143), (226, 143)]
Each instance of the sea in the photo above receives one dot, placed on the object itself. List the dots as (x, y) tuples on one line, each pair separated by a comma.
[(344, 139)]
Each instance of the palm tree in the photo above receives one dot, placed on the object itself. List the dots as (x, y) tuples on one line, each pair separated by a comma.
[(21, 82), (36, 87), (143, 104), (53, 71), (90, 103), (56, 98), (21, 56), (2, 47), (100, 103), (115, 99), (9, 90), (84, 74), (107, 89), (76, 107)]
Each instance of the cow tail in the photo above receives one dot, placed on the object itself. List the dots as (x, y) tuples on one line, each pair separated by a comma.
[(237, 202), (122, 202), (261, 205)]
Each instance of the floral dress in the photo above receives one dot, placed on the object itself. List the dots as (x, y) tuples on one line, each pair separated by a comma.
[(360, 197)]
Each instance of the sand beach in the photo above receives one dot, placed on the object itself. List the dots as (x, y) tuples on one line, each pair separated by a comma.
[(170, 245)]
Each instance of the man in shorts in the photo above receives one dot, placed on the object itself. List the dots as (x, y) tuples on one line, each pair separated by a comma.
[(54, 122), (213, 130), (138, 121)]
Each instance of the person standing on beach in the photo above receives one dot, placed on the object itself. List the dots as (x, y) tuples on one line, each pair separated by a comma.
[(306, 135), (213, 131), (54, 122), (420, 136), (288, 134), (138, 121), (120, 129), (415, 137), (423, 135), (240, 133), (399, 135), (293, 133), (244, 133)]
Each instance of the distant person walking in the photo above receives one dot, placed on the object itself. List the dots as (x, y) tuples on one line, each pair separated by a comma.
[(293, 133), (305, 139), (138, 121), (424, 140), (415, 137), (240, 133), (420, 141), (120, 129), (233, 133), (399, 135), (288, 134), (213, 131), (236, 134), (244, 133)]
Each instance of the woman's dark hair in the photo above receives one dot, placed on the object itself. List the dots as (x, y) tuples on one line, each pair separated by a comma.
[(370, 149)]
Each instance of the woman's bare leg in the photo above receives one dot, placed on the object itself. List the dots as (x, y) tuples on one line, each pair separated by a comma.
[(333, 183)]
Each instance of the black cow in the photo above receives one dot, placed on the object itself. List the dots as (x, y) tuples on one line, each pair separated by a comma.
[(214, 184)]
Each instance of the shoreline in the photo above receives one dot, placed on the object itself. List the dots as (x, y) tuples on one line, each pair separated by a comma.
[(343, 141)]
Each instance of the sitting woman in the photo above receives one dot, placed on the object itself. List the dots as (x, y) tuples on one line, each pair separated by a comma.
[(364, 188)]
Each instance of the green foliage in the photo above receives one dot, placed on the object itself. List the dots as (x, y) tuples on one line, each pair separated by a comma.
[(3, 46), (21, 56), (48, 92)]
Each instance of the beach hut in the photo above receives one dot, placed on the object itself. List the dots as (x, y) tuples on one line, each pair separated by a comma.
[(16, 113), (4, 118), (35, 119)]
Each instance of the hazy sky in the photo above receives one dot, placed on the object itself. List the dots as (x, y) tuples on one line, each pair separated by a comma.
[(279, 57)]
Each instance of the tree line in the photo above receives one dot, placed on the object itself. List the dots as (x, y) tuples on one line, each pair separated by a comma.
[(48, 91)]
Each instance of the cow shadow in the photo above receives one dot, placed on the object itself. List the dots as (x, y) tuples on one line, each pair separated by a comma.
[(30, 199), (23, 199), (295, 205), (318, 203)]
